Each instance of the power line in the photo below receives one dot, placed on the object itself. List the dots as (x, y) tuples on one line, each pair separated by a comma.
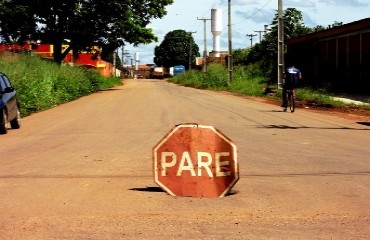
[(253, 14)]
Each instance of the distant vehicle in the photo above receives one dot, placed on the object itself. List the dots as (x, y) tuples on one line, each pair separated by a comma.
[(139, 76), (178, 69), (9, 105), (170, 72), (158, 72)]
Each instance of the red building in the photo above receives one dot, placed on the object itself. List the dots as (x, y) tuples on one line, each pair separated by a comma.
[(46, 51)]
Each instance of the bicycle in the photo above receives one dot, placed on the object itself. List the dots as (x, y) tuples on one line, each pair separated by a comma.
[(291, 100)]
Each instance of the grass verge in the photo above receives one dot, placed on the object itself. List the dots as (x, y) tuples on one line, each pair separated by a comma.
[(249, 80), (41, 84)]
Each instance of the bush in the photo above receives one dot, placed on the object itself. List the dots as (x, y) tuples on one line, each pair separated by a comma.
[(215, 78), (246, 80)]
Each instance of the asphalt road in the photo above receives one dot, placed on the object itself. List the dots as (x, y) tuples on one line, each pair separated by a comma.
[(83, 170)]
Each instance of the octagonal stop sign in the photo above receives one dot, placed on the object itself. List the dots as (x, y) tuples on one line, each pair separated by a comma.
[(197, 161)]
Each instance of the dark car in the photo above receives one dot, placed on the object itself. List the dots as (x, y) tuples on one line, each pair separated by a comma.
[(9, 105)]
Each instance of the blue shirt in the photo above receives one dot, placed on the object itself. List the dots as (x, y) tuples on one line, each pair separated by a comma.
[(292, 76)]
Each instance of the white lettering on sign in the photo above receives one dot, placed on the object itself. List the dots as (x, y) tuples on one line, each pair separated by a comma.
[(204, 162), (186, 167), (166, 164), (219, 164)]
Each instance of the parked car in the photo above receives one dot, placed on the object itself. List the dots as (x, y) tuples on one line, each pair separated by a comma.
[(9, 105)]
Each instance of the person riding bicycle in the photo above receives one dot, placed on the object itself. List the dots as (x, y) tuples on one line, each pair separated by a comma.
[(291, 77)]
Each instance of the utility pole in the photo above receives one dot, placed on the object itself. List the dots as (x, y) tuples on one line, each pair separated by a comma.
[(266, 27), (205, 52), (123, 55), (190, 49), (251, 38), (260, 33), (280, 43), (114, 64), (230, 48)]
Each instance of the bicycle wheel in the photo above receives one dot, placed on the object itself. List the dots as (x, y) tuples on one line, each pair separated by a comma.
[(291, 102)]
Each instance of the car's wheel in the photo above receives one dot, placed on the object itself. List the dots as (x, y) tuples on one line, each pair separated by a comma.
[(3, 126), (16, 122)]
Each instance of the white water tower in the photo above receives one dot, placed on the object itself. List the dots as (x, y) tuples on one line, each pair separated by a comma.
[(216, 28)]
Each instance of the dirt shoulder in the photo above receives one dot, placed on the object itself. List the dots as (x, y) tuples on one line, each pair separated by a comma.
[(355, 114), (350, 113)]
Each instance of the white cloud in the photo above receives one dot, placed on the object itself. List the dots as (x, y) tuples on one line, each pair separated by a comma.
[(300, 4), (352, 3)]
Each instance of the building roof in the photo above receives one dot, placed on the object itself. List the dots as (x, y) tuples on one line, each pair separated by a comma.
[(144, 67), (350, 28)]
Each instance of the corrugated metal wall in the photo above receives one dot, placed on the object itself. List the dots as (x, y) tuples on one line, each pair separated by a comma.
[(341, 63)]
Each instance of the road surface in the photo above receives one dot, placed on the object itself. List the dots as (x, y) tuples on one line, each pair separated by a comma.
[(83, 170)]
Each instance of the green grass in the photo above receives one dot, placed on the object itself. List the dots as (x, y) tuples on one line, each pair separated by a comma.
[(43, 84), (313, 97), (249, 80), (215, 78), (246, 80)]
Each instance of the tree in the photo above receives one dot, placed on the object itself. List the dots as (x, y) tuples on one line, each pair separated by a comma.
[(293, 23), (175, 49), (318, 28), (335, 24), (15, 22), (240, 55), (321, 28), (84, 23), (265, 52)]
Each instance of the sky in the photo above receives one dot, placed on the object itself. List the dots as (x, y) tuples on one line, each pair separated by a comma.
[(247, 17)]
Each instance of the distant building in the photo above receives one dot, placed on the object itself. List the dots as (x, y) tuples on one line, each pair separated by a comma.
[(338, 57), (46, 51), (214, 57), (142, 70)]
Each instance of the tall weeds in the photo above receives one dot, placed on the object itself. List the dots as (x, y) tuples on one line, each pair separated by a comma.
[(42, 84), (246, 80)]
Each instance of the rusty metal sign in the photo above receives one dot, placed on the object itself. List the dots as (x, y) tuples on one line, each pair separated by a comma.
[(196, 161)]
